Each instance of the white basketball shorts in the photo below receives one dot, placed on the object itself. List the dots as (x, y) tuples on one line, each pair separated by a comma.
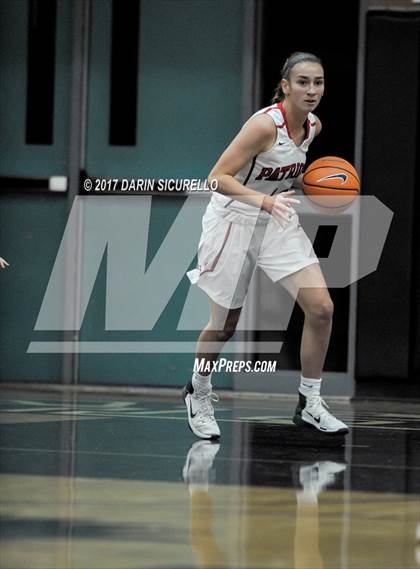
[(230, 251)]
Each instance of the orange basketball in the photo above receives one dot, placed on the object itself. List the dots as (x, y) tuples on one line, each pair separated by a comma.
[(331, 182)]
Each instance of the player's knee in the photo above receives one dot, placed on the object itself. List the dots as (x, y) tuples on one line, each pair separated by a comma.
[(224, 329), (221, 333), (322, 311), (226, 334)]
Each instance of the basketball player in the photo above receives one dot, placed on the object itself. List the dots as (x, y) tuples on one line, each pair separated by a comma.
[(250, 221)]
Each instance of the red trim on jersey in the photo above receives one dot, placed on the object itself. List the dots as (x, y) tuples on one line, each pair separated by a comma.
[(308, 125), (271, 109), (216, 259), (308, 128)]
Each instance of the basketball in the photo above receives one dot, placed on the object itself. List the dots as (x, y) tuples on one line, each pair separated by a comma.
[(331, 182)]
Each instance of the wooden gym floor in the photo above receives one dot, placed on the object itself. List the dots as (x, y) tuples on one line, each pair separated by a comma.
[(114, 482)]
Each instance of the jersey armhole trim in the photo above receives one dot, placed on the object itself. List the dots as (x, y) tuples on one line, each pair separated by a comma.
[(278, 127)]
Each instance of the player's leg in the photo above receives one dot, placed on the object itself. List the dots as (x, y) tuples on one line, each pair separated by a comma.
[(197, 394), (309, 288), (216, 333)]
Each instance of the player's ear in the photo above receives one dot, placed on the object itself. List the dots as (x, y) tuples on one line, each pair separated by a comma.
[(285, 86)]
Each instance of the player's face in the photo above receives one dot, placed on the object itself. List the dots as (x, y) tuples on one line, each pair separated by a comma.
[(306, 85)]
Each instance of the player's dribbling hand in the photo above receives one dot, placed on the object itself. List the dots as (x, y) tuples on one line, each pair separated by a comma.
[(3, 263), (281, 206)]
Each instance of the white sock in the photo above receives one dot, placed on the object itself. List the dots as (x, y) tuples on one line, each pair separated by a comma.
[(309, 386), (201, 382)]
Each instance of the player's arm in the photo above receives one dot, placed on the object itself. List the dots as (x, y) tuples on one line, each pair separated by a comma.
[(256, 136), (297, 182)]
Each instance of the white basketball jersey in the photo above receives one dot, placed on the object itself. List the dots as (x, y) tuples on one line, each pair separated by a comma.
[(269, 172)]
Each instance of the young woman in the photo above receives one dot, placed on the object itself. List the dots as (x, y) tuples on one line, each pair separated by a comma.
[(249, 222)]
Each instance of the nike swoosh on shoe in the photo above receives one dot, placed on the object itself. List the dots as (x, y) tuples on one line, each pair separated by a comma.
[(315, 418), (191, 411)]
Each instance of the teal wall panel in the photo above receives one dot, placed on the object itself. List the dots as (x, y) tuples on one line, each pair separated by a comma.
[(30, 232)]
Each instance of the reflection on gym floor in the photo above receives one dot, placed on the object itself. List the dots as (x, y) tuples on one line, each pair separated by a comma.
[(103, 482)]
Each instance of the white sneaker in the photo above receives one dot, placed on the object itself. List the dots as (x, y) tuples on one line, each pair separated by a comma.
[(200, 412), (312, 411), (198, 464)]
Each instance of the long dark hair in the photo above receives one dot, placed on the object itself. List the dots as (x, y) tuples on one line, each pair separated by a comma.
[(296, 57)]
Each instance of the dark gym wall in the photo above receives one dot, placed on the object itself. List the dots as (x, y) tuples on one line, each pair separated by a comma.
[(304, 26), (388, 339)]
